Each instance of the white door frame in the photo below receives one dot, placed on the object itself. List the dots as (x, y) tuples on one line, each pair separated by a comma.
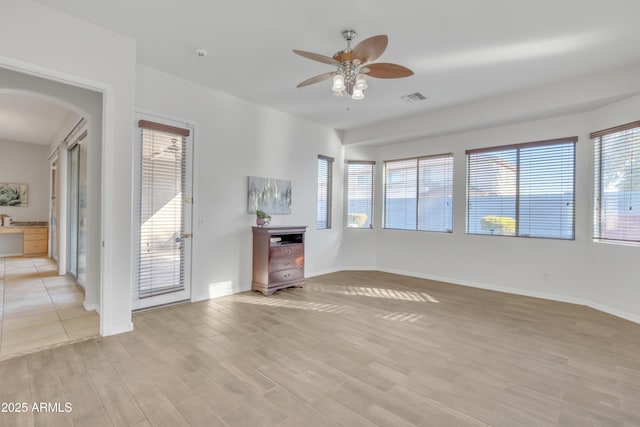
[(109, 303)]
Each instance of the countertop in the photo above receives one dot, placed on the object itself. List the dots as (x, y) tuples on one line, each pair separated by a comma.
[(29, 224), (19, 226)]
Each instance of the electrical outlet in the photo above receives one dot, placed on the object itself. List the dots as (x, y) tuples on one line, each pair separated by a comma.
[(545, 276)]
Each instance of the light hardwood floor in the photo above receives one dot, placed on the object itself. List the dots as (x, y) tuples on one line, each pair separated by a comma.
[(350, 348), (38, 308)]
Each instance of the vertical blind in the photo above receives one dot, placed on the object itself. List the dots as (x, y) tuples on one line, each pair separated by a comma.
[(418, 193), (325, 178), (522, 190), (161, 213), (617, 183), (359, 194)]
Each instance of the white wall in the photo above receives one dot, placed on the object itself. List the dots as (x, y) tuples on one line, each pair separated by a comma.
[(235, 139), (24, 164), (582, 271), (47, 43)]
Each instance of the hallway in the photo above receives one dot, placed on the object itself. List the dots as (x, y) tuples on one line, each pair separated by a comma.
[(38, 308)]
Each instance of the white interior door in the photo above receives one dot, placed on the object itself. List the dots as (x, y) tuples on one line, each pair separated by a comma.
[(162, 243)]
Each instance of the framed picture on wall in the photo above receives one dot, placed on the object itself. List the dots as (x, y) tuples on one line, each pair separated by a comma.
[(15, 195), (269, 195)]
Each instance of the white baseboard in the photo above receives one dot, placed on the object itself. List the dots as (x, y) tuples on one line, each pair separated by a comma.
[(516, 291), (358, 268), (91, 307), (614, 312), (321, 272), (217, 290), (215, 294)]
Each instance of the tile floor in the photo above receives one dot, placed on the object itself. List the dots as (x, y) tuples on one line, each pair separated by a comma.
[(38, 308)]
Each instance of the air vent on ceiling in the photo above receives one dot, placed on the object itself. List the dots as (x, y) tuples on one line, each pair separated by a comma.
[(414, 97)]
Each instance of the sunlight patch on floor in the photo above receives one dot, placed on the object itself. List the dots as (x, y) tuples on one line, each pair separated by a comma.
[(400, 317), (373, 292), (301, 305)]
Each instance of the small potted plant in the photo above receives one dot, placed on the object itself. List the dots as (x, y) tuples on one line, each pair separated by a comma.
[(262, 218)]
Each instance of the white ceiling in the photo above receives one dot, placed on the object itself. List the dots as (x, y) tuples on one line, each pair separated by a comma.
[(30, 118), (460, 50)]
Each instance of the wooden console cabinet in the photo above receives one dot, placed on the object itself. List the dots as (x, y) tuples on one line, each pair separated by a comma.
[(35, 240), (278, 258)]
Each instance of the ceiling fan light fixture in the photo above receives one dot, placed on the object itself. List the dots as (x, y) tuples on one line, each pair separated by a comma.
[(361, 83), (354, 65), (357, 95), (338, 83)]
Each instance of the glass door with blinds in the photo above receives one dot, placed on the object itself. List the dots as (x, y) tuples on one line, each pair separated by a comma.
[(162, 244)]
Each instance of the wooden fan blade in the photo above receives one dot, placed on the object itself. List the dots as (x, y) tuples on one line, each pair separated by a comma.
[(316, 79), (384, 70), (370, 49), (316, 57)]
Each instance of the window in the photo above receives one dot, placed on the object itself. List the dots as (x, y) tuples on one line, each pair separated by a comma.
[(417, 193), (359, 194), (325, 173), (524, 190), (617, 183)]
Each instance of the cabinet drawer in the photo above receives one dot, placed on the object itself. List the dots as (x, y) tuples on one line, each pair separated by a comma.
[(286, 263), (31, 247), (286, 275), (287, 251), (35, 233)]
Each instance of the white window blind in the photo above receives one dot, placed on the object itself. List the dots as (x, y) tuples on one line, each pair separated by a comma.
[(359, 194), (435, 191), (325, 178), (418, 193), (161, 213), (522, 190), (617, 183)]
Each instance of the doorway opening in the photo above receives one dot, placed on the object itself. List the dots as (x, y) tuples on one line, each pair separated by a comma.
[(40, 305)]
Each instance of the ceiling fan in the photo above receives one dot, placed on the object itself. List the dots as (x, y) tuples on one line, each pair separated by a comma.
[(353, 64)]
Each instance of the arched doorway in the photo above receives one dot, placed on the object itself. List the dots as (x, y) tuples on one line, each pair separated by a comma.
[(77, 103)]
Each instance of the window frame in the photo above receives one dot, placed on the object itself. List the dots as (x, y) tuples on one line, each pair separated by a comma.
[(501, 148), (598, 223), (417, 192), (329, 192), (371, 164)]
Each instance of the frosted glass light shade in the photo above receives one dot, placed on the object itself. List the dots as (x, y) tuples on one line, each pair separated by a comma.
[(361, 83), (338, 83)]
